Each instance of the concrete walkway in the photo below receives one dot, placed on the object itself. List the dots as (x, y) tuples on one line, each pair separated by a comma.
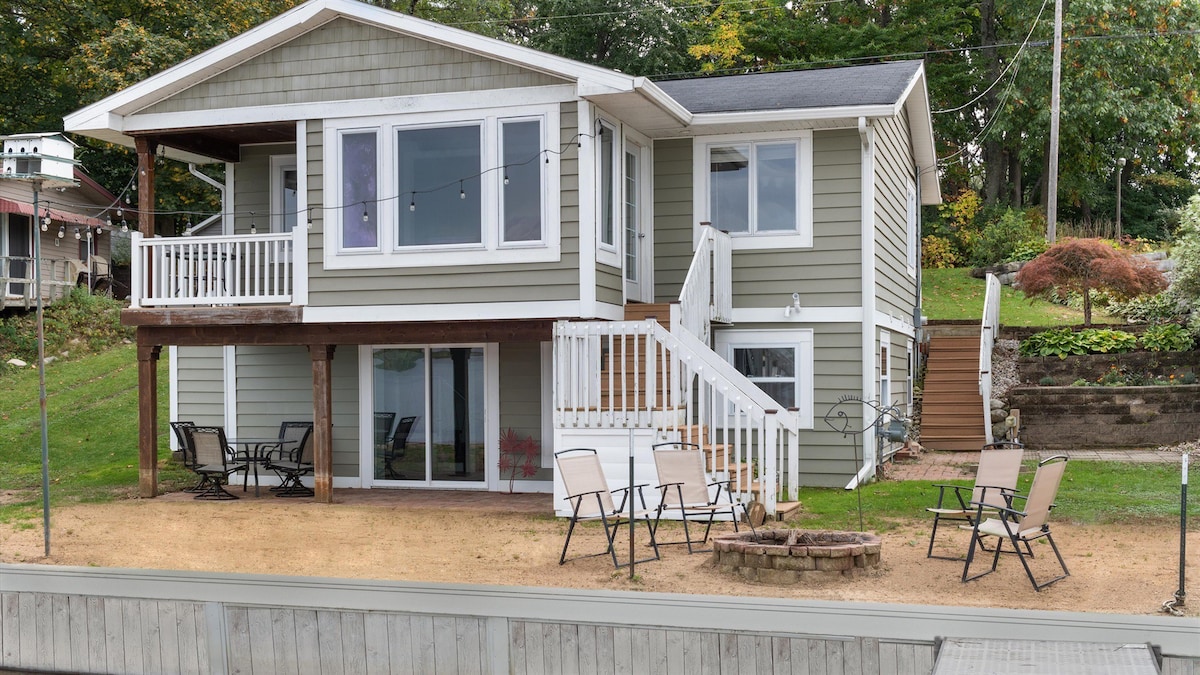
[(943, 465)]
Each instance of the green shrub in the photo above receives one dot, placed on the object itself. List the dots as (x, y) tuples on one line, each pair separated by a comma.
[(1168, 337), (1046, 381), (1060, 342), (999, 238), (1107, 341), (938, 253), (80, 322), (1028, 250), (1158, 308)]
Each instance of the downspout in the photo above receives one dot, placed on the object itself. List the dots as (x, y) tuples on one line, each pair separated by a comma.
[(867, 136), (918, 324), (213, 218)]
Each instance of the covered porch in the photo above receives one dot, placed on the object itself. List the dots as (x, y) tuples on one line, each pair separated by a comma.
[(283, 327)]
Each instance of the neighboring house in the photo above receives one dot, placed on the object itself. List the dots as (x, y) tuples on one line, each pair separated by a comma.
[(71, 222), (433, 239)]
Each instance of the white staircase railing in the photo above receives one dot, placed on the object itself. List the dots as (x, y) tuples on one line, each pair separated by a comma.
[(707, 293), (219, 270), (987, 339), (637, 374)]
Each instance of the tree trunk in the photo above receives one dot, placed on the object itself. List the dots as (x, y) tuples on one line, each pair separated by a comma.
[(1087, 308), (994, 163)]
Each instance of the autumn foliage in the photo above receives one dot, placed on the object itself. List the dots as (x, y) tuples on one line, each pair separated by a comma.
[(1084, 265)]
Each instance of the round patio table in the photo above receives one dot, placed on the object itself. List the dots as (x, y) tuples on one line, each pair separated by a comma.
[(257, 450)]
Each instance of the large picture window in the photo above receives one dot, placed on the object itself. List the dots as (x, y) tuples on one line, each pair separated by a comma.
[(438, 180), (433, 189), (757, 187)]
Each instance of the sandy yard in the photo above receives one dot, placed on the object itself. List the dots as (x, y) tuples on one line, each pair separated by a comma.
[(511, 540)]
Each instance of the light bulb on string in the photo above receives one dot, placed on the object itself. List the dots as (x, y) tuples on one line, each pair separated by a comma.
[(310, 217), (46, 220), (412, 205), (120, 212), (124, 226), (77, 235), (461, 193), (62, 231), (253, 227), (366, 218), (99, 230)]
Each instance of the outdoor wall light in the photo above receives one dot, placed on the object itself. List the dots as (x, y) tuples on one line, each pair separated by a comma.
[(793, 308)]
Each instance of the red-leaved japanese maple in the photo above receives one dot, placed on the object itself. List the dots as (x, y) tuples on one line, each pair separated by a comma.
[(1082, 265)]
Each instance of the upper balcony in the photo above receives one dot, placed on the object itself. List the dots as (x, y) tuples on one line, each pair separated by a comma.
[(234, 270)]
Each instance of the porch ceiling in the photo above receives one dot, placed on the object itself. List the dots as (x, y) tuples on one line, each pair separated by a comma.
[(223, 143)]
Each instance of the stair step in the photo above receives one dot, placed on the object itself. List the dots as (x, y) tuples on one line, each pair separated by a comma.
[(785, 510)]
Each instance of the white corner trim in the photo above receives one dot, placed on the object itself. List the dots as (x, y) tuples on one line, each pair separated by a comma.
[(587, 211), (300, 253), (867, 235), (173, 390), (366, 405), (229, 375)]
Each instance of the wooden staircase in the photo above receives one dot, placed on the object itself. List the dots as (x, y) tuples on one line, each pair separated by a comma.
[(952, 408), (718, 458)]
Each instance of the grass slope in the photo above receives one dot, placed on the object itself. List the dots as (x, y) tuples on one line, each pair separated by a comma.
[(91, 408), (954, 294)]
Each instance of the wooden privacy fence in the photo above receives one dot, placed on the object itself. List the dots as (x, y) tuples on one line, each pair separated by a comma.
[(97, 620)]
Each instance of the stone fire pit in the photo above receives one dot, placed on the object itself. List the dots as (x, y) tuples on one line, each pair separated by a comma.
[(793, 556)]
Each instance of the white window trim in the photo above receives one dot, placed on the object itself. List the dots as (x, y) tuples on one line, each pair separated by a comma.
[(910, 232), (884, 360), (804, 197), (801, 340), (489, 251), (610, 254), (279, 164), (641, 146)]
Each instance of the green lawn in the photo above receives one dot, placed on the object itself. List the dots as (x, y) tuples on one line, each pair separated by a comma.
[(955, 294), (91, 406), (1091, 493)]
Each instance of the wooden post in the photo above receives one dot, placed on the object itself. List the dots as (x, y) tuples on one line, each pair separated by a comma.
[(322, 362), (148, 419), (145, 186)]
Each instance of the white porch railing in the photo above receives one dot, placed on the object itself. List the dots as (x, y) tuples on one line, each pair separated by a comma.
[(18, 279), (222, 270), (636, 374), (987, 339), (707, 293)]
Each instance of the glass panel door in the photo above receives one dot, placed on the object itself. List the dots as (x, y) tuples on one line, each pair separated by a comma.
[(429, 415)]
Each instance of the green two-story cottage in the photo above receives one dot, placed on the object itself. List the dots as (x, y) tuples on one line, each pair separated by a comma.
[(434, 244)]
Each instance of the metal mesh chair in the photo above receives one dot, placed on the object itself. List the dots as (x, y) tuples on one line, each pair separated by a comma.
[(187, 451), (295, 459), (214, 461), (395, 449)]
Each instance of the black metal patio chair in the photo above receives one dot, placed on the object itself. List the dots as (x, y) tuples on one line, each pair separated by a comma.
[(214, 461)]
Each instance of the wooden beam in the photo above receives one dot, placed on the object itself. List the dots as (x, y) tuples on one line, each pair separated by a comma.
[(146, 147), (322, 383), (147, 355), (535, 330), (211, 316)]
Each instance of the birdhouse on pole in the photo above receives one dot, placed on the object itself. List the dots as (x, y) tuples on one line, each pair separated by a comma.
[(45, 157)]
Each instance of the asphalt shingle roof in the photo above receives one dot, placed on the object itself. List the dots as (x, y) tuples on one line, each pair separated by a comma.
[(875, 84)]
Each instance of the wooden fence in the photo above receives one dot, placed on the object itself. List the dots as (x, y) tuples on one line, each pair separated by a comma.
[(99, 620)]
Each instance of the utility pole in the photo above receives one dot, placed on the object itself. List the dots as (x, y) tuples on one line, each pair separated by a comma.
[(1052, 169), (1120, 172)]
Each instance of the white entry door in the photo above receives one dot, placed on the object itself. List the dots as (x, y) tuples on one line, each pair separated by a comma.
[(638, 243)]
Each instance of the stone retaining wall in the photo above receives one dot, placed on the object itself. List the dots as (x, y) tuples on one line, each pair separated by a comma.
[(1089, 367), (1107, 417)]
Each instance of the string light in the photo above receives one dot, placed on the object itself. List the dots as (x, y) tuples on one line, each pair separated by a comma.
[(461, 193), (366, 218), (310, 217), (412, 205), (77, 235), (62, 231), (124, 226)]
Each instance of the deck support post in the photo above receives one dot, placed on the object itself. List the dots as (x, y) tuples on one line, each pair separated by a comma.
[(147, 355), (322, 366)]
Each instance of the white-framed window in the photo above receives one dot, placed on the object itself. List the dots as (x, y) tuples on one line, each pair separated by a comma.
[(780, 362), (910, 376), (608, 193), (284, 193), (433, 189), (757, 187), (912, 230)]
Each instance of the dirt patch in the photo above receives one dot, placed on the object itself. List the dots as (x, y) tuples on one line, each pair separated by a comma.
[(1116, 570)]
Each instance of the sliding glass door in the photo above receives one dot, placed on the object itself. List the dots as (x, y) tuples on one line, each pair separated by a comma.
[(429, 415)]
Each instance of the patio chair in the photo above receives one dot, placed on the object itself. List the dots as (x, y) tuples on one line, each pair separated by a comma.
[(1020, 526), (186, 451), (214, 461), (999, 464), (383, 426), (590, 498), (683, 487), (294, 459), (395, 450)]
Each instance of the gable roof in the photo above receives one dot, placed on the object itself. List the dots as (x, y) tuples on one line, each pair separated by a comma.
[(659, 109), (870, 85)]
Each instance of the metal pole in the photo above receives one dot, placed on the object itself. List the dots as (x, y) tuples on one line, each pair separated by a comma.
[(629, 496), (41, 343), (1181, 594), (1052, 169), (1120, 170)]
